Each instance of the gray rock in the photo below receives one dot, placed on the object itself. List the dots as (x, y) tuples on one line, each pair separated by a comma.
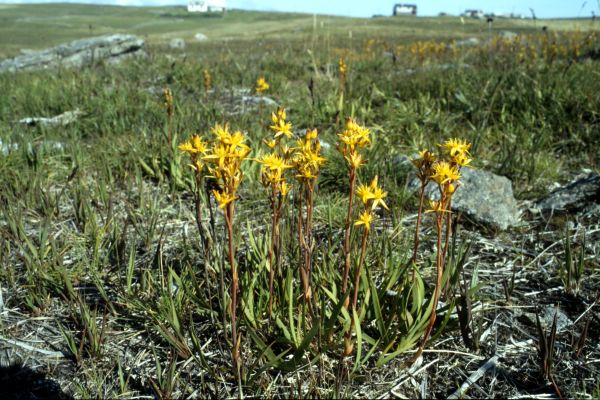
[(200, 36), (177, 43), (562, 320), (508, 35), (59, 120), (7, 148), (256, 100), (79, 53), (574, 197), (484, 197), (470, 42)]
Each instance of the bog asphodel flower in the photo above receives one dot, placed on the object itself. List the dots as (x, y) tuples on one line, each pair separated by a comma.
[(261, 85), (365, 219), (223, 198), (196, 147), (273, 167), (207, 80), (225, 158), (307, 157), (377, 195), (168, 95), (456, 146), (280, 126), (353, 137), (444, 172)]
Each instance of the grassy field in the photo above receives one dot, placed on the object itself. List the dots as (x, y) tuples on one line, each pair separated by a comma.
[(36, 26), (122, 277)]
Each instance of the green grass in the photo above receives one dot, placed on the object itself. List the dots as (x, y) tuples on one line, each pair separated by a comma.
[(99, 239)]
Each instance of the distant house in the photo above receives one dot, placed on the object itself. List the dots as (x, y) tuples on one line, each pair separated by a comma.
[(473, 14), (206, 6), (405, 9)]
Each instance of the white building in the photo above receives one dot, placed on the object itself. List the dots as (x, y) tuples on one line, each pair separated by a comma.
[(206, 6), (405, 9), (473, 14)]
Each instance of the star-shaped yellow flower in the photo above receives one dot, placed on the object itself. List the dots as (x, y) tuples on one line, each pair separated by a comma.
[(261, 85), (366, 218)]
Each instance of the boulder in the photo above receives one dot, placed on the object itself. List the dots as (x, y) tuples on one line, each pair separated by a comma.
[(482, 196), (200, 37), (177, 43), (573, 197), (79, 53), (470, 42), (508, 35)]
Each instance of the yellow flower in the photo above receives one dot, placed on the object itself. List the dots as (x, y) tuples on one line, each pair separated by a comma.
[(365, 193), (221, 132), (280, 126), (187, 147), (461, 159), (284, 188), (443, 173), (235, 140), (311, 134), (355, 160), (456, 146), (220, 154), (274, 162), (207, 79), (342, 67), (427, 156), (366, 218), (354, 135), (223, 198), (261, 85), (436, 206), (270, 143), (378, 195), (279, 115), (193, 146)]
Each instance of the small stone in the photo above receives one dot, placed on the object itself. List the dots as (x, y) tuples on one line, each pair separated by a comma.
[(470, 42), (508, 35), (200, 36), (177, 43)]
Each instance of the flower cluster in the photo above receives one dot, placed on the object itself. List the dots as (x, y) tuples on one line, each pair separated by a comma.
[(280, 126), (168, 95), (353, 138), (261, 85), (277, 162), (307, 159), (444, 172), (372, 197), (342, 68), (224, 161), (196, 147), (207, 80)]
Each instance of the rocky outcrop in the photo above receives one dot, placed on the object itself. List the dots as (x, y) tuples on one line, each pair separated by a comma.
[(79, 53), (59, 120), (574, 197)]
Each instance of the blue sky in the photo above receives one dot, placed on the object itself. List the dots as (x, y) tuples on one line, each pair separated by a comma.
[(367, 8)]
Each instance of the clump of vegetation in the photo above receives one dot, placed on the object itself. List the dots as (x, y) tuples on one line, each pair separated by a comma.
[(310, 269)]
